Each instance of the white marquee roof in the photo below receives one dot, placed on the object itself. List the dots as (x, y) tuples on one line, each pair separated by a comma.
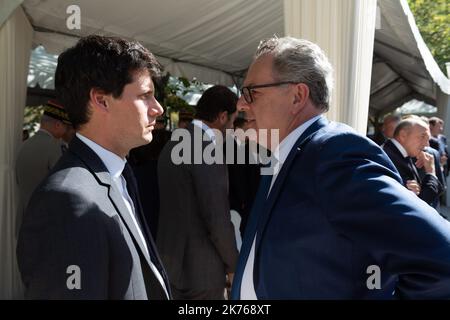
[(214, 40)]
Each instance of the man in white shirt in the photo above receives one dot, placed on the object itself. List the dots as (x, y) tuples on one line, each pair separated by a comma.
[(84, 235), (334, 208)]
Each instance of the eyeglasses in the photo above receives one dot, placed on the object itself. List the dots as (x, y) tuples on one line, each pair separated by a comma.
[(247, 91)]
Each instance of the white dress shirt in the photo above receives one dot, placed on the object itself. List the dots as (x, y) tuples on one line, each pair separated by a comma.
[(278, 158), (115, 165), (400, 148)]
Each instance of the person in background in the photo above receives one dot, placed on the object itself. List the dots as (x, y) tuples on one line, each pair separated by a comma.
[(144, 161), (243, 177), (406, 150), (39, 154), (196, 238), (387, 129)]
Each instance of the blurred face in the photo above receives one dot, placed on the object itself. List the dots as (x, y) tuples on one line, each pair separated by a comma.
[(133, 115), (415, 139), (269, 104), (389, 128), (437, 129), (230, 120)]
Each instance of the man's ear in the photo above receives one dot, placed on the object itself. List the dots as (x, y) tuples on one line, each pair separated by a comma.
[(301, 96), (402, 136), (98, 99), (223, 117)]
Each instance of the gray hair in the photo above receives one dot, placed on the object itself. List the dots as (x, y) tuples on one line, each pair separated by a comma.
[(407, 123), (302, 61)]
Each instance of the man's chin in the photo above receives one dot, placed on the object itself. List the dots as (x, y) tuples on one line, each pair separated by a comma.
[(147, 138)]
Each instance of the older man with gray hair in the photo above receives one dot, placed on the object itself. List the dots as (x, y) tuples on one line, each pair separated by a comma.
[(333, 221), (411, 136)]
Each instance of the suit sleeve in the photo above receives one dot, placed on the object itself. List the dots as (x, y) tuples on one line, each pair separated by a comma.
[(363, 198), (431, 188), (211, 189), (62, 248)]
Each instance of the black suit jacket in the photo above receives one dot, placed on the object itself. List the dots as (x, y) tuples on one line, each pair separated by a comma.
[(243, 180), (77, 217), (195, 235), (430, 186)]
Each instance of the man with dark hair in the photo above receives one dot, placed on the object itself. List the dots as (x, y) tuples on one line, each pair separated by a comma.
[(84, 235), (243, 175), (438, 141), (195, 234), (333, 220)]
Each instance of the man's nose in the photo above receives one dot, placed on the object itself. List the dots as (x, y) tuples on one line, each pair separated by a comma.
[(242, 105), (156, 109)]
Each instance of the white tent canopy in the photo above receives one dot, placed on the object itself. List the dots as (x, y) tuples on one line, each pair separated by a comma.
[(211, 40), (403, 67), (214, 40)]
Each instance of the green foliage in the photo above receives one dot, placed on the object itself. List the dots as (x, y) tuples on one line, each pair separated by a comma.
[(177, 87), (32, 117), (433, 20), (175, 103)]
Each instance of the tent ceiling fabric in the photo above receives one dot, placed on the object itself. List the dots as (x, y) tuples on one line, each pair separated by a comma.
[(214, 40), (220, 35), (403, 67)]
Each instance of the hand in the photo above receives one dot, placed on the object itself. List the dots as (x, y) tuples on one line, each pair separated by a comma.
[(229, 283), (428, 162), (419, 163), (444, 160), (413, 186)]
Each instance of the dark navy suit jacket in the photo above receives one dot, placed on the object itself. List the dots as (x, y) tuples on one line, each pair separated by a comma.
[(337, 209)]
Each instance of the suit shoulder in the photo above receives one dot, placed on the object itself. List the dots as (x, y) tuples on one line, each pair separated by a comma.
[(337, 134)]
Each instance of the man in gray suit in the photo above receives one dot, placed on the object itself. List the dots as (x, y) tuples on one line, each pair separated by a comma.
[(40, 153), (195, 234), (84, 235)]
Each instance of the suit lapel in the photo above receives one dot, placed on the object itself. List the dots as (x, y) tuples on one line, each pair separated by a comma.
[(132, 184), (98, 169), (117, 200), (273, 195), (404, 162)]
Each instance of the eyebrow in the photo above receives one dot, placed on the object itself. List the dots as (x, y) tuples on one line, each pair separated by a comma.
[(147, 92)]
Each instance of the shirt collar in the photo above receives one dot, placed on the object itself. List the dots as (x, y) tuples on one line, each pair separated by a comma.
[(112, 161), (400, 148), (283, 149), (204, 127)]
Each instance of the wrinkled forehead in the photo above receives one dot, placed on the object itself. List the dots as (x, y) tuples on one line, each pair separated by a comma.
[(420, 128)]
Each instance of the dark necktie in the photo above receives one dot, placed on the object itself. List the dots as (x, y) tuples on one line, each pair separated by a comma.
[(63, 148), (154, 289), (250, 232), (413, 169)]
